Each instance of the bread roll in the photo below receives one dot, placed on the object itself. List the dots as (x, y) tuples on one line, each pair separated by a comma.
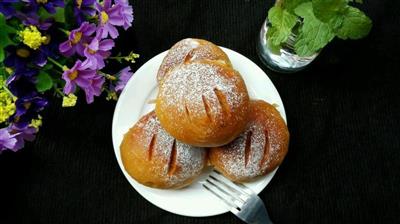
[(258, 150), (189, 50), (203, 103), (155, 159)]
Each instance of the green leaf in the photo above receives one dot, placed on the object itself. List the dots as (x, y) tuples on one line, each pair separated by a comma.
[(70, 20), (58, 16), (48, 66), (336, 22), (355, 24), (5, 36), (291, 5), (273, 47), (357, 1), (314, 34), (3, 72), (326, 10), (43, 82), (282, 22), (2, 54)]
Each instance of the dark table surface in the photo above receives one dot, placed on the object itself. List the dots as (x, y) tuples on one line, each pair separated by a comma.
[(343, 112)]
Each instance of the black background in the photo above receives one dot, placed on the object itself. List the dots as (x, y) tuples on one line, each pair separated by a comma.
[(343, 164)]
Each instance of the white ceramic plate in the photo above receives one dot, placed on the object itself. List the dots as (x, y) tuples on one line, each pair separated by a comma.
[(134, 102)]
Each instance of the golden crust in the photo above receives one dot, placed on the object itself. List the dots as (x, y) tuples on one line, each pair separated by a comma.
[(203, 103), (190, 50), (258, 150), (155, 159)]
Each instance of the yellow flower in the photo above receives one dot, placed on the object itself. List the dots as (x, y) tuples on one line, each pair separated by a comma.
[(112, 96), (78, 3), (32, 37), (9, 70), (131, 57), (69, 101), (36, 123), (7, 103)]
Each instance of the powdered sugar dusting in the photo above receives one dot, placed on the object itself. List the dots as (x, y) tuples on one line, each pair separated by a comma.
[(176, 55), (189, 159), (268, 144), (191, 86), (234, 156), (190, 50)]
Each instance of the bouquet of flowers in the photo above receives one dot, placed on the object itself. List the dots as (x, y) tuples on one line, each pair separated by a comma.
[(59, 46)]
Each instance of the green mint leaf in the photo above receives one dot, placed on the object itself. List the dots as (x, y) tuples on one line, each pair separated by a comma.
[(355, 24), (274, 48), (326, 10), (336, 22), (358, 1), (43, 82), (282, 22), (314, 34), (305, 10), (291, 5), (5, 40)]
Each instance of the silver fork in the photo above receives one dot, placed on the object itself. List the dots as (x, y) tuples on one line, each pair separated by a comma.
[(241, 200)]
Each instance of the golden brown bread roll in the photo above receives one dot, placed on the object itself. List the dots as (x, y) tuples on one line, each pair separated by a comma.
[(155, 159), (203, 103), (258, 150), (189, 50)]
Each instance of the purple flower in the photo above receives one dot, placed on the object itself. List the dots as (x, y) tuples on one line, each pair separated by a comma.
[(79, 75), (49, 5), (7, 140), (94, 89), (33, 19), (24, 134), (77, 40), (109, 16), (123, 77), (14, 138), (97, 51), (27, 108), (20, 56), (85, 78), (22, 82), (7, 9), (83, 8), (127, 13)]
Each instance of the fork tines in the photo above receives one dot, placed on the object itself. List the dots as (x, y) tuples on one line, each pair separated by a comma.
[(234, 195)]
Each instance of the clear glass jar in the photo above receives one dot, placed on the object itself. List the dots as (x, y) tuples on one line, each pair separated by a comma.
[(284, 61)]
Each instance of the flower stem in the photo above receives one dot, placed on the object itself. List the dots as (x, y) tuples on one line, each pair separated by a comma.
[(129, 58), (59, 91), (7, 90), (56, 71), (107, 76), (64, 31), (117, 57), (63, 67)]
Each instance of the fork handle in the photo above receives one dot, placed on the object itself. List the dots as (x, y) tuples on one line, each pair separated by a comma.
[(261, 216)]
